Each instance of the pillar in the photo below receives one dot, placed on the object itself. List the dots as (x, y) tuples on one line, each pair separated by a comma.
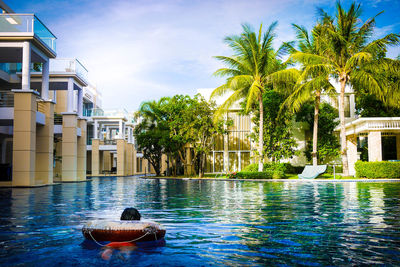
[(95, 157), (107, 160), (26, 66), (374, 146), (69, 148), (70, 95), (80, 103), (129, 159), (352, 155), (45, 146), (24, 138), (45, 80), (134, 161), (398, 146), (82, 153), (121, 157)]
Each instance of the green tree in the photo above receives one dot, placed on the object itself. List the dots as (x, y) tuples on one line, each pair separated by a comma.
[(152, 132), (307, 85), (351, 57), (248, 73), (328, 143), (278, 140), (194, 127)]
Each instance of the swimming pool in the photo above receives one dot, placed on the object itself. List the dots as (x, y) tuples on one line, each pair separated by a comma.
[(208, 222)]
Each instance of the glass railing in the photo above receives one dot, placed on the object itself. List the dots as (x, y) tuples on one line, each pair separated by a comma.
[(98, 112), (21, 24), (10, 68), (70, 66)]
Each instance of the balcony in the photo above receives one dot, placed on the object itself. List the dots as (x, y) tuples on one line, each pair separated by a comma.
[(21, 25), (365, 125), (7, 108), (69, 66)]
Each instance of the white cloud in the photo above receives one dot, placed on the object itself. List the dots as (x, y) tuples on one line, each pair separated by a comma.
[(142, 50)]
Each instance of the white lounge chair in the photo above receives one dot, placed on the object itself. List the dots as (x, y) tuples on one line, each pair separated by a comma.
[(312, 172)]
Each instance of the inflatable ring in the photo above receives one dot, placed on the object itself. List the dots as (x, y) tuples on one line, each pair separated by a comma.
[(123, 231)]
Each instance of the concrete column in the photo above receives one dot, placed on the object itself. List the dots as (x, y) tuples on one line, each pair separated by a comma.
[(95, 130), (129, 154), (121, 157), (45, 146), (352, 155), (107, 160), (374, 146), (120, 134), (45, 80), (69, 148), (352, 106), (82, 153), (24, 138), (398, 145), (80, 103), (70, 95), (134, 159), (26, 66), (95, 157)]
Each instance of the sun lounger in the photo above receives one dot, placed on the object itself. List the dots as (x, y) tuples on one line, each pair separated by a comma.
[(312, 172)]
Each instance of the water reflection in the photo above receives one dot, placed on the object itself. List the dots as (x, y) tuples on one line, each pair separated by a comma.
[(209, 222)]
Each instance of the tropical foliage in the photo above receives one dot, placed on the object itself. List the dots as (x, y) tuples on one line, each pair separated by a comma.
[(328, 144), (278, 139), (248, 73), (353, 59)]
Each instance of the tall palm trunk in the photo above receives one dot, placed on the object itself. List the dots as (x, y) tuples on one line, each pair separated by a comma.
[(343, 141), (315, 130), (260, 135)]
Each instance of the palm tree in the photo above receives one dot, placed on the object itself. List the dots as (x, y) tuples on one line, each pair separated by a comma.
[(348, 55), (307, 85), (248, 72)]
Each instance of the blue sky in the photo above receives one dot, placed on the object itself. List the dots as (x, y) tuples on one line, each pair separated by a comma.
[(142, 50)]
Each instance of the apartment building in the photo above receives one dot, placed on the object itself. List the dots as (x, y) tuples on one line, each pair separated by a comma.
[(380, 136), (45, 103), (112, 150)]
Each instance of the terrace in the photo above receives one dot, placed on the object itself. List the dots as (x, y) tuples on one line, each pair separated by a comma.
[(27, 26)]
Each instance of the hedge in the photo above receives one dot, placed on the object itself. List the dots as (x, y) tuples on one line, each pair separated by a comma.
[(283, 167), (260, 175), (378, 169)]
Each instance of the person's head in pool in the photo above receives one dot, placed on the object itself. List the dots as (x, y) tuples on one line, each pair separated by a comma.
[(130, 214)]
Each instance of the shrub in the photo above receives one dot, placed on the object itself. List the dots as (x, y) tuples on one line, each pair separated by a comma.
[(251, 168), (379, 169), (284, 167), (260, 175)]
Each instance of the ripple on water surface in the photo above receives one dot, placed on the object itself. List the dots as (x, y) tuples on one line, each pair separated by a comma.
[(208, 222)]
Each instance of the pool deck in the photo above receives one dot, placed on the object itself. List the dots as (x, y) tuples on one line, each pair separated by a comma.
[(283, 180)]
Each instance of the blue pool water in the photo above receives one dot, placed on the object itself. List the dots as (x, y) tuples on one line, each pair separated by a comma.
[(208, 222)]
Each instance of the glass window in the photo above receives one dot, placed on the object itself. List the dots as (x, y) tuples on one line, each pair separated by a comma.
[(233, 161), (244, 159), (219, 162)]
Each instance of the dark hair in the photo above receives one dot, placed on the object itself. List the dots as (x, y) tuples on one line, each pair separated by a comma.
[(130, 214)]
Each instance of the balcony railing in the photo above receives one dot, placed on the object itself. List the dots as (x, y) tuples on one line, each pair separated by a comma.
[(69, 65), (26, 25), (98, 112), (6, 99), (58, 120)]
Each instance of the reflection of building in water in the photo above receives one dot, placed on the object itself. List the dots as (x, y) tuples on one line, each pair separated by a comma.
[(377, 205)]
